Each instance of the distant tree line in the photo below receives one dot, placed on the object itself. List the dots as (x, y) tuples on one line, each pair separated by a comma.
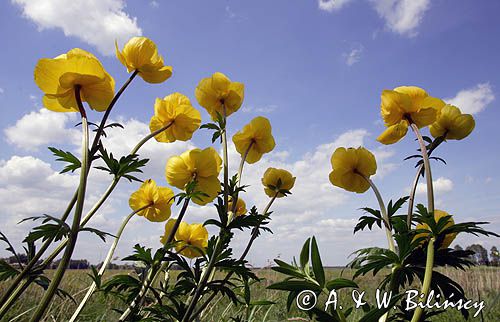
[(481, 256)]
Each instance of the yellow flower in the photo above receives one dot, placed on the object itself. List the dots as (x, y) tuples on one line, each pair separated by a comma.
[(448, 239), (275, 180), (258, 134), (157, 199), (404, 105), (141, 54), (453, 123), (58, 78), (177, 110), (200, 165), (241, 207), (350, 167), (187, 235), (217, 91)]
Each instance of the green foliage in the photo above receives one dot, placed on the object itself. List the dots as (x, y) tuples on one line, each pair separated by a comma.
[(125, 167), (68, 157)]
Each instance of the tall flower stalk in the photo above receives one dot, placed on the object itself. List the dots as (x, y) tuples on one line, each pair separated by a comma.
[(75, 227), (105, 263), (429, 264), (208, 270)]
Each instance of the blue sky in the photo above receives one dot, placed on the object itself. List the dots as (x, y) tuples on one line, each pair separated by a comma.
[(314, 68)]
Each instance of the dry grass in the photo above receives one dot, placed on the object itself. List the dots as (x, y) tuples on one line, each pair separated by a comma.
[(480, 283)]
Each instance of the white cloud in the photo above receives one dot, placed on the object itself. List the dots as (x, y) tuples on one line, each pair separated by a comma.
[(331, 5), (354, 55), (39, 128), (473, 100), (1, 91), (96, 22), (402, 16), (440, 185), (260, 109), (154, 4)]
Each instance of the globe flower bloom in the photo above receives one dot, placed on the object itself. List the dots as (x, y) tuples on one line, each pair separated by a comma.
[(203, 166), (59, 77), (175, 109), (141, 54), (157, 201), (275, 180), (448, 238), (217, 91), (405, 105), (452, 123), (256, 135), (187, 235), (241, 207), (351, 169)]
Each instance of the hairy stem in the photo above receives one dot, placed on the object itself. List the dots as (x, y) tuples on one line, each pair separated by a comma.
[(75, 227)]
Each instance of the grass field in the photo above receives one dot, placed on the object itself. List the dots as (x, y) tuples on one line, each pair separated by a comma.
[(480, 283)]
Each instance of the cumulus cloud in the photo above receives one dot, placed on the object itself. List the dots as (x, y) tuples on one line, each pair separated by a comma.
[(96, 22), (331, 5), (473, 100), (43, 127), (440, 185), (402, 16)]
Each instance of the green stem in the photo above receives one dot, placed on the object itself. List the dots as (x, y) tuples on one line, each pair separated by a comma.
[(152, 274), (420, 171), (211, 263), (15, 286), (75, 227), (102, 125), (430, 208), (383, 209), (26, 270), (105, 263), (240, 173), (242, 257)]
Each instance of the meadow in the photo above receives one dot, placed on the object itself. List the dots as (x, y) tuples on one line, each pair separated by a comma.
[(479, 283)]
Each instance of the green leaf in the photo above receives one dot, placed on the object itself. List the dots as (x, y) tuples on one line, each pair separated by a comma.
[(319, 272), (340, 283), (291, 285), (304, 255), (74, 162)]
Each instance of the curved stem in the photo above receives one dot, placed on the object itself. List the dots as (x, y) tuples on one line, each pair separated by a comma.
[(242, 257), (240, 173), (426, 284), (102, 125), (225, 159), (383, 210), (152, 275), (148, 137), (19, 277), (105, 263), (211, 263), (420, 171), (15, 287), (75, 227), (16, 283), (430, 208)]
